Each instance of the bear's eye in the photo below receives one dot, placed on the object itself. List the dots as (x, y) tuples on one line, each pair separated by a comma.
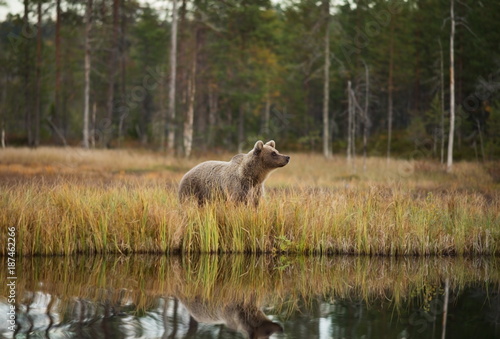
[(274, 154)]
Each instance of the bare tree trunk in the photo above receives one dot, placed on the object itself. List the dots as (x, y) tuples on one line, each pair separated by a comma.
[(38, 75), (86, 105), (449, 162), (366, 119), (188, 123), (173, 69), (113, 58), (442, 102), (57, 101), (349, 122), (389, 95), (26, 70), (326, 84)]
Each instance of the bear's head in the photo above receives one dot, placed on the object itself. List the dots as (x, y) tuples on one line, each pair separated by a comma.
[(268, 155)]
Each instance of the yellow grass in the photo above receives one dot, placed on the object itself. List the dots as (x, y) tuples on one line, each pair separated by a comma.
[(65, 201)]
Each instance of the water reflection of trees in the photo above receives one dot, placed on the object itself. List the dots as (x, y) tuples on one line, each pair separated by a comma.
[(145, 296)]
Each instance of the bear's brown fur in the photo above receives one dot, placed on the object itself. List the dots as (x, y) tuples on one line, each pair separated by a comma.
[(241, 179)]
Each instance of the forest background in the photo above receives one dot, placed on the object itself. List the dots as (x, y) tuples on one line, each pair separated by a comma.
[(346, 76)]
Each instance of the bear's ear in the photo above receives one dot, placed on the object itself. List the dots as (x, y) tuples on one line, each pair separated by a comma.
[(259, 145), (271, 143)]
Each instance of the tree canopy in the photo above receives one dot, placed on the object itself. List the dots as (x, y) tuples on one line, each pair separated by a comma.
[(251, 69)]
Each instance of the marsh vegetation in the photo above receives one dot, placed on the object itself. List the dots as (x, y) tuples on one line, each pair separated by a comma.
[(67, 201)]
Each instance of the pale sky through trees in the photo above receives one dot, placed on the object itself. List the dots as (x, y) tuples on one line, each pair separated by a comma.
[(16, 6), (11, 6)]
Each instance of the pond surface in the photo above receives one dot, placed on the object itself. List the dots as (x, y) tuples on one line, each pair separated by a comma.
[(240, 296)]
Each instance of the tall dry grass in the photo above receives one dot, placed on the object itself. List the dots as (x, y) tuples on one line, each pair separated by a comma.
[(62, 205)]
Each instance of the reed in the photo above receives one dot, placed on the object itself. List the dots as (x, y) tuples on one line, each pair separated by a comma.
[(126, 202)]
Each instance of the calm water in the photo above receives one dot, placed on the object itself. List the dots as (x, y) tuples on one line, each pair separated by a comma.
[(254, 296)]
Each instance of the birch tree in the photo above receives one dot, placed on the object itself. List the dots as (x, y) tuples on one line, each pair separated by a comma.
[(191, 91), (326, 84), (173, 69)]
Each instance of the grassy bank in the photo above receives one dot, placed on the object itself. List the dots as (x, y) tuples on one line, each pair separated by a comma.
[(65, 202)]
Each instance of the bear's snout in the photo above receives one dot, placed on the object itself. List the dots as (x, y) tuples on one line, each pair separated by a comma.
[(285, 160)]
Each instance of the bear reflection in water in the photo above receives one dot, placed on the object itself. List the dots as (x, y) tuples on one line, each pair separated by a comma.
[(244, 317)]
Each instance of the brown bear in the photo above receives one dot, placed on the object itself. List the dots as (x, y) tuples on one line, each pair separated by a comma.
[(241, 179)]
